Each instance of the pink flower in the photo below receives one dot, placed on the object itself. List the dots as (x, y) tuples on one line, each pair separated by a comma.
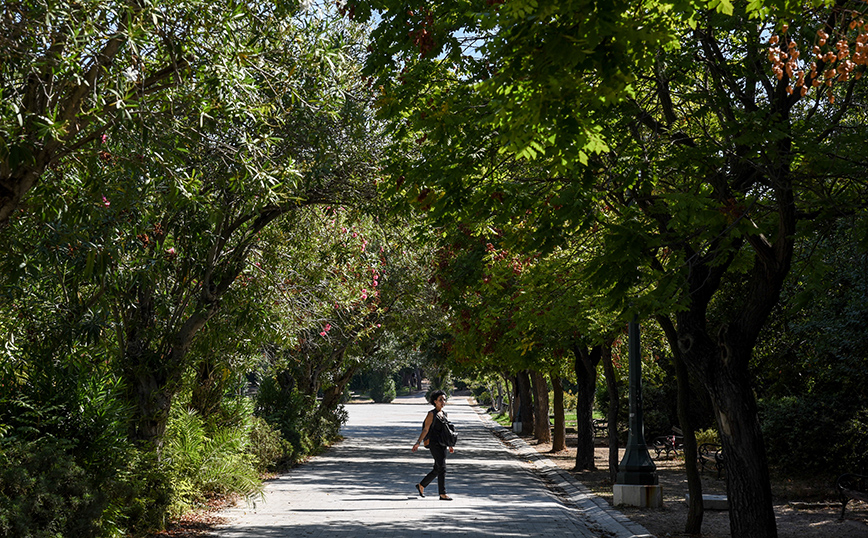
[(328, 327), (322, 333), (103, 138), (105, 201)]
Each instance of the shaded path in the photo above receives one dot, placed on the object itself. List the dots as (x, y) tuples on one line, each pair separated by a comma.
[(364, 486)]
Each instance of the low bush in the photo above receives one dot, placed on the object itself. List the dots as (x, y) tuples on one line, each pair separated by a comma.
[(267, 447), (304, 427), (204, 463), (44, 492), (707, 436), (383, 389)]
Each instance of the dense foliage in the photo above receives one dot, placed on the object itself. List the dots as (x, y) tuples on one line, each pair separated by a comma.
[(218, 216)]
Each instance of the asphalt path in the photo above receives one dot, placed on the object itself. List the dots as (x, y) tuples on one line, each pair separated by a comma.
[(365, 486)]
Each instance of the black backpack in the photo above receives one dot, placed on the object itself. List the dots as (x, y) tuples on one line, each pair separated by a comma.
[(442, 431)]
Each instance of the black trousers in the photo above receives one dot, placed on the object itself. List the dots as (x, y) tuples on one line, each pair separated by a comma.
[(439, 470)]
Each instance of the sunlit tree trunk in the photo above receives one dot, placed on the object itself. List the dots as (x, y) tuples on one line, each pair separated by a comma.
[(525, 403), (559, 436)]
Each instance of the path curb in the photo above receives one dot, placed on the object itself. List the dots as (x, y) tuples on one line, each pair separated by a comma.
[(594, 507)]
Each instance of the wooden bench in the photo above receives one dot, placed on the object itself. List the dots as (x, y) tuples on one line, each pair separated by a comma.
[(710, 455), (852, 487)]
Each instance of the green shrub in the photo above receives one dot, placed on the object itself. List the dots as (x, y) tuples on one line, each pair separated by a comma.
[(143, 495), (44, 492), (383, 389), (707, 436), (814, 434), (301, 423), (482, 397), (65, 460), (205, 462), (267, 447)]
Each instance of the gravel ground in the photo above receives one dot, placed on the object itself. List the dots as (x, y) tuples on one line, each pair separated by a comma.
[(818, 515)]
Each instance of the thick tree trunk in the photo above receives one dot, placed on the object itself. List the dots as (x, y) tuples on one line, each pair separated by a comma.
[(153, 368), (724, 373), (747, 474), (525, 403), (151, 395), (614, 407), (586, 378), (695, 508), (542, 429), (331, 397), (559, 436)]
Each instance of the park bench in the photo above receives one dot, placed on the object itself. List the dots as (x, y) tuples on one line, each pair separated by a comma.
[(710, 455), (668, 444), (852, 487), (601, 427)]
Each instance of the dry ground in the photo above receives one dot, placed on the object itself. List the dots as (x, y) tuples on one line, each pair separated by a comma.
[(818, 515)]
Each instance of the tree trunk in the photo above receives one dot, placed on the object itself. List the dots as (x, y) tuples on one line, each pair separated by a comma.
[(331, 397), (510, 400), (695, 509), (722, 368), (586, 378), (208, 389), (747, 475), (13, 187), (542, 429), (614, 407), (559, 437), (525, 404), (151, 395)]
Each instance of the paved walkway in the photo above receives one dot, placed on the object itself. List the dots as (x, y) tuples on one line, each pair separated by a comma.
[(364, 486)]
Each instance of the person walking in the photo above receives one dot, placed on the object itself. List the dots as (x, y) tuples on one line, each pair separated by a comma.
[(434, 439)]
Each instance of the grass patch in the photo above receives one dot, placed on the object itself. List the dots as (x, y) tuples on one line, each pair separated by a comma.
[(502, 419)]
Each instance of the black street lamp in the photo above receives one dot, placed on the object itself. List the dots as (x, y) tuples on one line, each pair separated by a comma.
[(636, 468)]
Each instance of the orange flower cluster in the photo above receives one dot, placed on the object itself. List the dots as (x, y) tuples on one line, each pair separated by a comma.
[(834, 61)]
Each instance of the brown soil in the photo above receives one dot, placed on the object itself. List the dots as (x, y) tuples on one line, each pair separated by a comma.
[(816, 513)]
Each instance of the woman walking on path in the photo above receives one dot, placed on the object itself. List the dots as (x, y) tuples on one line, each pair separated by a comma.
[(432, 435)]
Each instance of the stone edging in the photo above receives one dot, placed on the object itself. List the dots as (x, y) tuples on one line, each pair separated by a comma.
[(595, 508)]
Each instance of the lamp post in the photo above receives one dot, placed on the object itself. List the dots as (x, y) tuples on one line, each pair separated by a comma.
[(636, 467)]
